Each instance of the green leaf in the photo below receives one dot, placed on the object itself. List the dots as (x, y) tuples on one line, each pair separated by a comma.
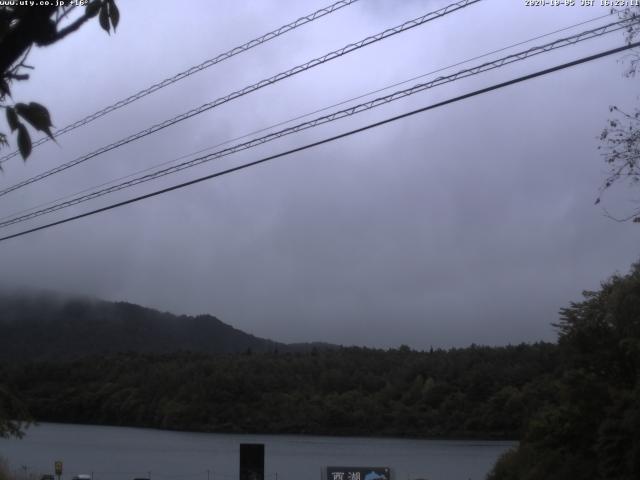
[(24, 141), (36, 115), (92, 9), (114, 14), (12, 119), (104, 18)]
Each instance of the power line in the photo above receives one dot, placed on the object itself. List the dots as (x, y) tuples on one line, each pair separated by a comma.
[(330, 139), (485, 67), (190, 71), (256, 86), (299, 117)]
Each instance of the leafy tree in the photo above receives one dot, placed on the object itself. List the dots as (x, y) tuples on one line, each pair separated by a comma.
[(621, 137), (21, 28), (589, 427), (601, 334)]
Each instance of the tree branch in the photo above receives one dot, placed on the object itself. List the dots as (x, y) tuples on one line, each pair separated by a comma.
[(68, 29), (64, 14)]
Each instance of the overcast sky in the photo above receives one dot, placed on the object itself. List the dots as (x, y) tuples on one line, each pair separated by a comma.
[(474, 222)]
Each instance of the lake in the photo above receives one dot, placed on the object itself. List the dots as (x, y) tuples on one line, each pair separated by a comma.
[(118, 453)]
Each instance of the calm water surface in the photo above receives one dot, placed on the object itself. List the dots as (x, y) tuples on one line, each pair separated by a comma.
[(116, 453)]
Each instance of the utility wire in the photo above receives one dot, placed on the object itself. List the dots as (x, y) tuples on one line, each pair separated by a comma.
[(256, 86), (190, 71), (485, 67), (299, 117), (331, 139)]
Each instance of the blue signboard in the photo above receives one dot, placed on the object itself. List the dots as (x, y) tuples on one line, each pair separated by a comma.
[(358, 473)]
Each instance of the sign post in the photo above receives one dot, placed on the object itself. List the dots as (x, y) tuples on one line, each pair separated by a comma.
[(58, 468)]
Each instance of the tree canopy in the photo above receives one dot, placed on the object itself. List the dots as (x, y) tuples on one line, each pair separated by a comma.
[(474, 392), (590, 427)]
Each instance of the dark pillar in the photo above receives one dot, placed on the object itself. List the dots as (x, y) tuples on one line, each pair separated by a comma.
[(251, 461)]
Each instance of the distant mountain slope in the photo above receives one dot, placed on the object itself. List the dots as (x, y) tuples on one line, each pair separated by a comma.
[(47, 326)]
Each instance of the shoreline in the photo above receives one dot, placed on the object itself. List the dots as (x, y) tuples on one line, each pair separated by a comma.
[(280, 434)]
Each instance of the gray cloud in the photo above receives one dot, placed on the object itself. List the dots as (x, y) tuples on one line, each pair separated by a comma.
[(470, 223)]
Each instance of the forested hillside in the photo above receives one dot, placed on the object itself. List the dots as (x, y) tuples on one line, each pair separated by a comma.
[(472, 392)]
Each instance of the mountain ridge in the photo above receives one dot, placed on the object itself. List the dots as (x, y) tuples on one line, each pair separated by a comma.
[(49, 326)]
